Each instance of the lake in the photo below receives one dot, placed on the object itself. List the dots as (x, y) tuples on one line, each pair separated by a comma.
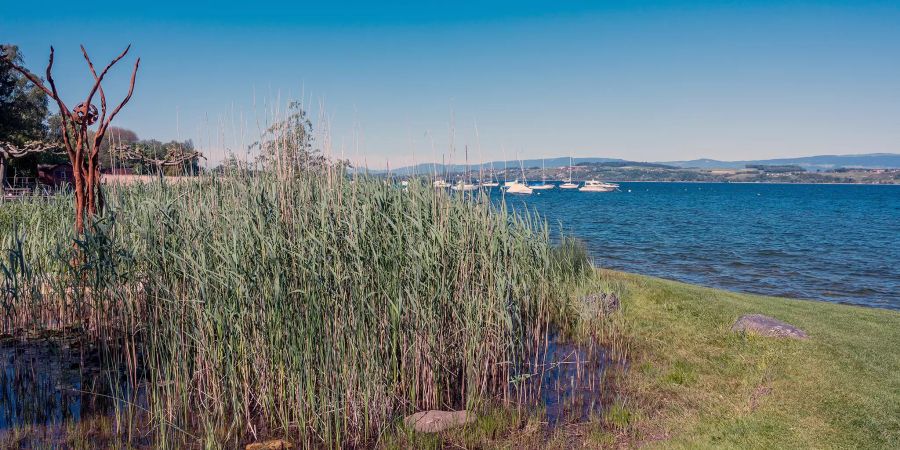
[(836, 243)]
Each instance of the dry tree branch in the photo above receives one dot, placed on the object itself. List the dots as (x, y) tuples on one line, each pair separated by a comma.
[(99, 79), (127, 97), (175, 155), (96, 79)]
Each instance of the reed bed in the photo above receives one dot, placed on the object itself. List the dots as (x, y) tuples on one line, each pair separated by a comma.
[(316, 307)]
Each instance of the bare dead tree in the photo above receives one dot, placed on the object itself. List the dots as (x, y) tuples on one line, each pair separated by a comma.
[(10, 151), (176, 155), (82, 148)]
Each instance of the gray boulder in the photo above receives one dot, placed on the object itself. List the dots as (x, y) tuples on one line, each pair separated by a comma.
[(767, 326)]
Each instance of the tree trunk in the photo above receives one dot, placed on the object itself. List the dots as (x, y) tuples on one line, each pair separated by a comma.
[(78, 174)]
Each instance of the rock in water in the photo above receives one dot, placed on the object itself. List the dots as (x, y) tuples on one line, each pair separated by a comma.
[(435, 421), (274, 444), (767, 326)]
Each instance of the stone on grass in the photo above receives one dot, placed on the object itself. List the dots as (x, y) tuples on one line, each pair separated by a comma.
[(274, 444), (435, 421), (767, 326)]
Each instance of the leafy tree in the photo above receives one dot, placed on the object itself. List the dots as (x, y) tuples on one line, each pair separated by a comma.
[(288, 145), (23, 106), (23, 114)]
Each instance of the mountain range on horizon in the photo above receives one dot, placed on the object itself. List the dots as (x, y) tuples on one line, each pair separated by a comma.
[(810, 163)]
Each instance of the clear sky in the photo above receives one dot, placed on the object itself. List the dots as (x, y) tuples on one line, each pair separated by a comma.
[(637, 80)]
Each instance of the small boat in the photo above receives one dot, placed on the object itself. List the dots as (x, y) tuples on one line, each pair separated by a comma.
[(569, 184), (441, 184), (461, 186), (491, 182), (598, 186), (543, 184), (518, 188), (515, 187)]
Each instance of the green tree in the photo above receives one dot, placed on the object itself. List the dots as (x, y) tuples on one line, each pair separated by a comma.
[(288, 144), (23, 106), (23, 115)]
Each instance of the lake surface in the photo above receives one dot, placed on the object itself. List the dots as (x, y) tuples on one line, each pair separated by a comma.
[(837, 243)]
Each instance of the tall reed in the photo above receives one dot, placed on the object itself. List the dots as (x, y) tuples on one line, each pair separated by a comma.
[(315, 306)]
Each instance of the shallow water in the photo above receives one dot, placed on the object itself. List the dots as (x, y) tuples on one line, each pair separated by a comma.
[(836, 243), (51, 382), (563, 378)]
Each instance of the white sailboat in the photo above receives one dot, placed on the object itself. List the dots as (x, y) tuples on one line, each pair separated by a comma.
[(569, 184), (465, 184), (518, 188), (598, 186), (439, 183), (491, 182), (543, 184), (515, 187)]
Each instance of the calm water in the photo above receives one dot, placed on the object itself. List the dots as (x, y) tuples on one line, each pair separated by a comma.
[(837, 243)]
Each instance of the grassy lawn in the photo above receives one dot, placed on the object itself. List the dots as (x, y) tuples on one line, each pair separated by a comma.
[(693, 383)]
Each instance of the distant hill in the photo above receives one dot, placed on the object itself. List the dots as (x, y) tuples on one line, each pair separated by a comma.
[(812, 163), (550, 163)]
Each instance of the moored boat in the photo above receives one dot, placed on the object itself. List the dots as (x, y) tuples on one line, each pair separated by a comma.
[(598, 186), (518, 188), (569, 184)]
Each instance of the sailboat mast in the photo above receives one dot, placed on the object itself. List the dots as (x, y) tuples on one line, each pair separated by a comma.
[(467, 163)]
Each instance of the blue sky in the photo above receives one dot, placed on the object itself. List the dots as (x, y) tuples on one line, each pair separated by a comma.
[(635, 80)]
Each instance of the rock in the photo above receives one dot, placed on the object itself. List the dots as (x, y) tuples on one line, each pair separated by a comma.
[(608, 302), (273, 444), (435, 421), (767, 326)]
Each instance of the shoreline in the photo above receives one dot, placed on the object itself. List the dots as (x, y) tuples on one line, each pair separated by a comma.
[(734, 182), (758, 182), (762, 294)]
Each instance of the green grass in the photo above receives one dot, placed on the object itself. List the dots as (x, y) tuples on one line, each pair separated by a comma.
[(694, 383)]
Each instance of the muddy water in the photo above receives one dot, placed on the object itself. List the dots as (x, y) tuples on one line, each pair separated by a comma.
[(564, 378)]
